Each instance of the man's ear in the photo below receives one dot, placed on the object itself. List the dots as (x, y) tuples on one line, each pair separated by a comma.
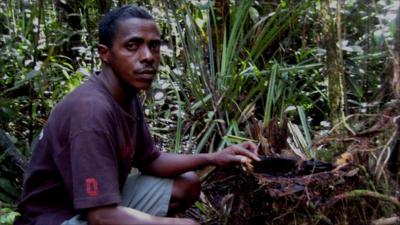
[(104, 53)]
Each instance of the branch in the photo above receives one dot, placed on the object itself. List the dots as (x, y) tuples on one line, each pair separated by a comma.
[(10, 155), (387, 221), (365, 193)]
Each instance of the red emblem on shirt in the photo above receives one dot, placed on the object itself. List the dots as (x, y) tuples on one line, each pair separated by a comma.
[(92, 189), (126, 151)]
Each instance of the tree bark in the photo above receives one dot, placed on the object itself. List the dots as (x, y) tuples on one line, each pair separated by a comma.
[(396, 58), (104, 6), (221, 10), (334, 63), (12, 161), (394, 160), (69, 12)]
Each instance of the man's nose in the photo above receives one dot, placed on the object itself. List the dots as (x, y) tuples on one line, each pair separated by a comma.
[(146, 54)]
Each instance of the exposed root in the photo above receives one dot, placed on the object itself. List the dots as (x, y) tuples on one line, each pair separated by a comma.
[(366, 193)]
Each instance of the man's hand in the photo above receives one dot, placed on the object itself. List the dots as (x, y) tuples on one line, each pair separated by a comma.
[(172, 165), (236, 154)]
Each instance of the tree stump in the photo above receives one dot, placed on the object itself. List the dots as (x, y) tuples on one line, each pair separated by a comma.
[(287, 191)]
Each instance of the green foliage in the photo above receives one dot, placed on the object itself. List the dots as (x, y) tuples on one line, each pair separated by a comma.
[(35, 73), (267, 58), (8, 191), (221, 67), (221, 76), (7, 216), (263, 57)]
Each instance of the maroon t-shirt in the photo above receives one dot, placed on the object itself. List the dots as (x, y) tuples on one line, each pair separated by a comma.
[(84, 154)]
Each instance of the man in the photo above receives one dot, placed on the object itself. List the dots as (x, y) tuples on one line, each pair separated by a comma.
[(78, 172)]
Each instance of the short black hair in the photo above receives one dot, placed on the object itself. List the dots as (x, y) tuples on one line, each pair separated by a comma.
[(108, 24)]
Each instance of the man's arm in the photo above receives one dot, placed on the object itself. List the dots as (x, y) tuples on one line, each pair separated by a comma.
[(171, 165), (124, 215)]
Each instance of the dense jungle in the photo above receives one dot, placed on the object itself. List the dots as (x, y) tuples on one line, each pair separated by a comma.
[(315, 84)]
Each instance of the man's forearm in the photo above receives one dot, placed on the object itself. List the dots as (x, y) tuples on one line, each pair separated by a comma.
[(170, 165)]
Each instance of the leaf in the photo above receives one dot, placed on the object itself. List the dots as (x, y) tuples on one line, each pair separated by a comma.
[(8, 187), (32, 74), (7, 216), (254, 15), (203, 141), (270, 95), (306, 131)]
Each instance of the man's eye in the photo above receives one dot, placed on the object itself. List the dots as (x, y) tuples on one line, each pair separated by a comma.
[(154, 45), (132, 45)]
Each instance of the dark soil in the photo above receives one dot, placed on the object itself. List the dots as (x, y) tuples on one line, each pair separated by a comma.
[(296, 195)]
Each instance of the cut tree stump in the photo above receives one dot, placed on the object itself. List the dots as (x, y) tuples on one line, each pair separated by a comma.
[(287, 191)]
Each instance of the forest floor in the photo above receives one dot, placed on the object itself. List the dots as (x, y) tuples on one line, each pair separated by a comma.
[(357, 188), (343, 195)]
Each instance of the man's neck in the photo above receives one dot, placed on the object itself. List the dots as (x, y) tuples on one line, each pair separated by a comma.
[(120, 91)]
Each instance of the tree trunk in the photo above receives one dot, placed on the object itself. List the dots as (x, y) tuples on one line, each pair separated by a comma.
[(396, 58), (221, 10), (334, 63), (13, 163), (69, 12), (219, 30), (104, 6), (394, 160)]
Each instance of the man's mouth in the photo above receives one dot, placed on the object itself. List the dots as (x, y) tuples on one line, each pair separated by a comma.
[(147, 73)]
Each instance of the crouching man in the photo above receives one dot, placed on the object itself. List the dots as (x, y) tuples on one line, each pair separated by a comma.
[(80, 171)]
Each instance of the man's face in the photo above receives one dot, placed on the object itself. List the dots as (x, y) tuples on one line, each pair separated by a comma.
[(135, 53)]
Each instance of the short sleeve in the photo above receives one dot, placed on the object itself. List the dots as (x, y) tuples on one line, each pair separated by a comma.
[(94, 170), (146, 151), (93, 155)]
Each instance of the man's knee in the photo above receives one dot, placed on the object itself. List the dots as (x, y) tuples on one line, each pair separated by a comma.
[(188, 186), (185, 192), (192, 185)]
